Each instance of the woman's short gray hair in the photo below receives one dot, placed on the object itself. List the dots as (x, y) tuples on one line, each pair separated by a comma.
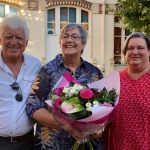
[(82, 31), (135, 35), (15, 22)]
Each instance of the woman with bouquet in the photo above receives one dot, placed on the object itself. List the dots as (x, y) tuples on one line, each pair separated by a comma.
[(130, 127), (49, 134)]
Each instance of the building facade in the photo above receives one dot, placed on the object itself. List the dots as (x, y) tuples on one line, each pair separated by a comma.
[(46, 18)]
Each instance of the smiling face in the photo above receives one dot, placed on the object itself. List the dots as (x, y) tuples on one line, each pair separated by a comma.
[(71, 43), (137, 53), (13, 43)]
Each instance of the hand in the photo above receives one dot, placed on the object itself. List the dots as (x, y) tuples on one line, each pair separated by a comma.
[(98, 133), (67, 126)]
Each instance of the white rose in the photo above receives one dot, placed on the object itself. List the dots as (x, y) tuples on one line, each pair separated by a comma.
[(95, 102), (66, 90), (72, 91), (78, 87), (88, 104), (88, 108)]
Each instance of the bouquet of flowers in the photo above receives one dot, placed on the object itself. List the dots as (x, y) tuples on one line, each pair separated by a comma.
[(85, 107)]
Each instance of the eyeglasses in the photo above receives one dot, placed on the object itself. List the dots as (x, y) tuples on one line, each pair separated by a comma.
[(139, 48), (15, 86), (74, 37)]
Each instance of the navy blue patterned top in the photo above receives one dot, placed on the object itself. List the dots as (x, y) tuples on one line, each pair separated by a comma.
[(47, 138)]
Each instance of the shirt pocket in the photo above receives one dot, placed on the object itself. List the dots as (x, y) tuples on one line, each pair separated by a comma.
[(27, 83)]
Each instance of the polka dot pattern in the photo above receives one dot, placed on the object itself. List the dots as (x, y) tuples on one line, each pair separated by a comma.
[(130, 128)]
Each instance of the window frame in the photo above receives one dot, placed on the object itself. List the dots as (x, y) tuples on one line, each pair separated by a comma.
[(57, 19), (64, 22), (51, 30), (123, 37), (7, 9), (3, 11)]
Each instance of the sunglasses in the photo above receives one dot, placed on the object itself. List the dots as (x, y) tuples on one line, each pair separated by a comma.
[(15, 86)]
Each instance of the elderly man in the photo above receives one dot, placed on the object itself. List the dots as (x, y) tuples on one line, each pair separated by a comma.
[(17, 71)]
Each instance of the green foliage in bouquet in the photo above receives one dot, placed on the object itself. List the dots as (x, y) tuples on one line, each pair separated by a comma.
[(105, 96)]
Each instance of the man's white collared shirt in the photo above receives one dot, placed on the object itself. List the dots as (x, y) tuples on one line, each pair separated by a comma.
[(13, 117)]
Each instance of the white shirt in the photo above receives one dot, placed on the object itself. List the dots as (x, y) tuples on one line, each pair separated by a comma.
[(13, 117)]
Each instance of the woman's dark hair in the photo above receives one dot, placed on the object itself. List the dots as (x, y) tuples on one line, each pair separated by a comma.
[(135, 35)]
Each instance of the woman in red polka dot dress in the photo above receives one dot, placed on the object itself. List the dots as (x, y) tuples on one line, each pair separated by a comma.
[(130, 127)]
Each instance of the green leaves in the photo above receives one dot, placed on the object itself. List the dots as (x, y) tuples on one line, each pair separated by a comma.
[(106, 96), (135, 15)]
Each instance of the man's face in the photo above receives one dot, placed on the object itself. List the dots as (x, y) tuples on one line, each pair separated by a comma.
[(13, 43)]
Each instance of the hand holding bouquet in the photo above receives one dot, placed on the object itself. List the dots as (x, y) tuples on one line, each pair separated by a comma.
[(84, 108)]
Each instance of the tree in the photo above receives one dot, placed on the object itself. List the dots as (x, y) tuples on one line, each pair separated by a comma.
[(135, 15)]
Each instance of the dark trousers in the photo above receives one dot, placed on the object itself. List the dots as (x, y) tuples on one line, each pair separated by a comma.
[(21, 145)]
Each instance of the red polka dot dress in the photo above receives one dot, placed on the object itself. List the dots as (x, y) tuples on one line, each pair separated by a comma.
[(130, 128)]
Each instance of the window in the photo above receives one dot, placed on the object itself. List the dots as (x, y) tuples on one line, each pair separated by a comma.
[(119, 38), (58, 17), (67, 15), (51, 21), (117, 45), (13, 10), (84, 19), (2, 10), (127, 32), (6, 10)]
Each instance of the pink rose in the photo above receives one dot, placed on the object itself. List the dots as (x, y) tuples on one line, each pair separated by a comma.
[(57, 103), (58, 91), (86, 94)]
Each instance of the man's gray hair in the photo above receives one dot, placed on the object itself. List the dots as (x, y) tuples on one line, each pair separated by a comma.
[(15, 22)]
